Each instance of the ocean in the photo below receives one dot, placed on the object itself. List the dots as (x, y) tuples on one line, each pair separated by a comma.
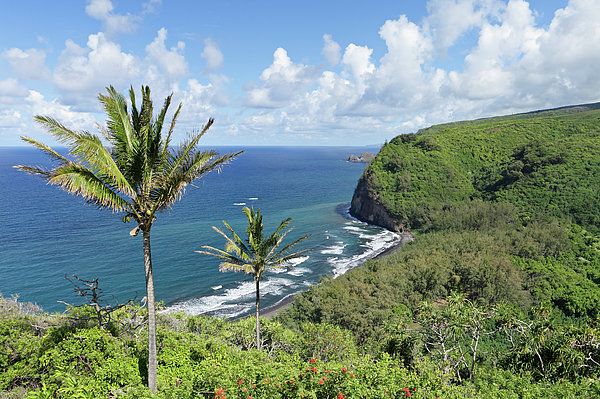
[(47, 233)]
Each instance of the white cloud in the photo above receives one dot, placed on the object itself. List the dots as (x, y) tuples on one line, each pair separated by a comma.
[(11, 119), (563, 62), (449, 20), (358, 60), (515, 66), (282, 81), (18, 119), (64, 113), (331, 50), (99, 9), (114, 23), (401, 76), (509, 63), (171, 62), (212, 55), (11, 90), (28, 64), (81, 73), (149, 7)]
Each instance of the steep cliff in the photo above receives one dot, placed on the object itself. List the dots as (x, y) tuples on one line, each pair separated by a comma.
[(365, 207)]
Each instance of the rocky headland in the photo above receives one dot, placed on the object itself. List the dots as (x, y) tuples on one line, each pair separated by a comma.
[(365, 157)]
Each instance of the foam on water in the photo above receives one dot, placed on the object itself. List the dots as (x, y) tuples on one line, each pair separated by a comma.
[(289, 265), (296, 261), (354, 228), (238, 300), (336, 249), (379, 243), (298, 271), (233, 301)]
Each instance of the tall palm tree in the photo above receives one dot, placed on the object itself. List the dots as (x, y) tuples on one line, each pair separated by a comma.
[(259, 255), (138, 174)]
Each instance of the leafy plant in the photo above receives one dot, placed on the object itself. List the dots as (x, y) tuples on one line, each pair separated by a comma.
[(258, 256), (139, 174)]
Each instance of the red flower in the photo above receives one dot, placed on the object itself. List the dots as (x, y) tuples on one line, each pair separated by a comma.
[(321, 382), (351, 375), (240, 382), (313, 360), (314, 369), (345, 371), (408, 395), (340, 396)]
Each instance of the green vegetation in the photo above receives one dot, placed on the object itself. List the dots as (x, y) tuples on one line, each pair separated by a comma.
[(139, 174), (504, 274), (498, 296), (52, 356), (258, 255), (543, 164)]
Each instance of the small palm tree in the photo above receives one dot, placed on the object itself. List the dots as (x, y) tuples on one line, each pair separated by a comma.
[(258, 255), (139, 174)]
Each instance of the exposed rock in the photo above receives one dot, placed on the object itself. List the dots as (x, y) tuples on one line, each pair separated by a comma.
[(365, 157), (367, 209)]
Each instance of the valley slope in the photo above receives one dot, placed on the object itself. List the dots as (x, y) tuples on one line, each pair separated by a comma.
[(543, 162)]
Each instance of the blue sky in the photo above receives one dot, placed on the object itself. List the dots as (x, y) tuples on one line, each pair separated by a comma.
[(297, 73)]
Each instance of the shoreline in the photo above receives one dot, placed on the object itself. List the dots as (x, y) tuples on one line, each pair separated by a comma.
[(271, 311)]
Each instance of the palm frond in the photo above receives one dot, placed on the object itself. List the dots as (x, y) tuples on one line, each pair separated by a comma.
[(236, 240), (221, 254), (118, 122), (62, 133), (181, 174), (252, 259), (279, 262), (275, 239), (183, 152), (231, 262), (46, 149), (34, 171), (282, 251), (232, 267), (87, 148), (79, 180), (167, 141), (160, 120)]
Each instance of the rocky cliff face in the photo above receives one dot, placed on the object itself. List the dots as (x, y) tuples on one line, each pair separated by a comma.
[(366, 208)]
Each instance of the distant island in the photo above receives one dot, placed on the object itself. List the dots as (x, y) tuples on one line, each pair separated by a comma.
[(365, 157)]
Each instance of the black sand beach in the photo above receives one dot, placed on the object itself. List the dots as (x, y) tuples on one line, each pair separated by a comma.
[(272, 311)]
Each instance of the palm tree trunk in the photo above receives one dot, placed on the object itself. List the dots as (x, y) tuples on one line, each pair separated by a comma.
[(257, 316), (152, 359)]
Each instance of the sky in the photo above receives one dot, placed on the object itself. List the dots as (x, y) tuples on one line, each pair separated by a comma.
[(306, 73)]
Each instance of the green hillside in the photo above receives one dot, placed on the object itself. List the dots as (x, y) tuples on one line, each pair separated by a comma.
[(544, 162), (505, 266)]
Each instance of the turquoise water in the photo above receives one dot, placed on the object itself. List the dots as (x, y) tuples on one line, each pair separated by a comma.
[(47, 233)]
